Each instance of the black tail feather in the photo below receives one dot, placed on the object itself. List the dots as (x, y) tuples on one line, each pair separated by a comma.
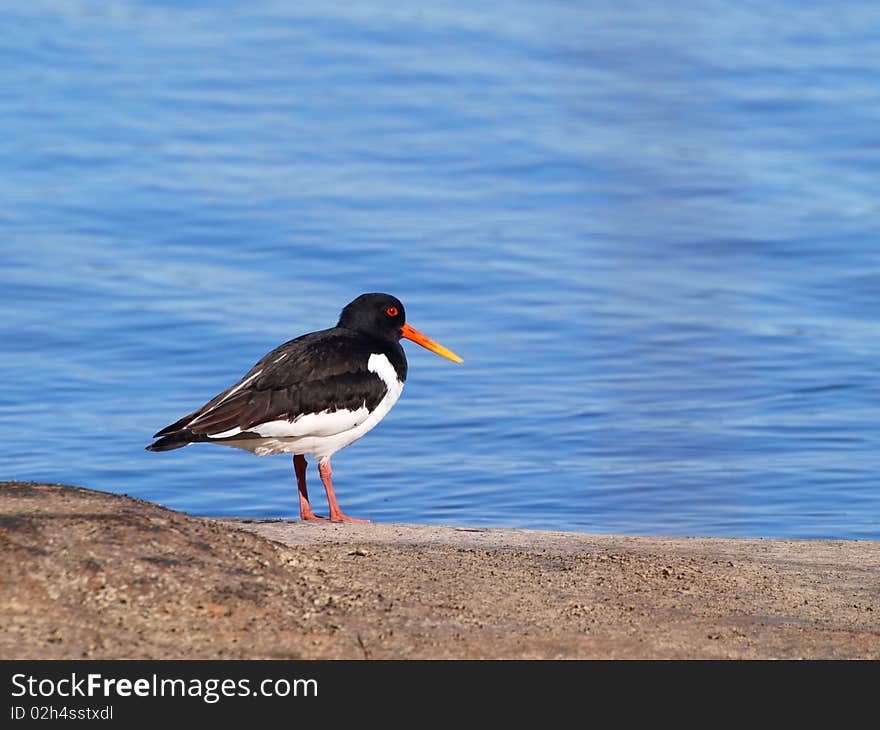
[(174, 440)]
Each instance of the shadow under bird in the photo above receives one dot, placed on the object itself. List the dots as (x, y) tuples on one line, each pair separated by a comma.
[(315, 394)]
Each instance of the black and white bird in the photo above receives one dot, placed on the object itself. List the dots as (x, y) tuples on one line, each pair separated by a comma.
[(313, 395)]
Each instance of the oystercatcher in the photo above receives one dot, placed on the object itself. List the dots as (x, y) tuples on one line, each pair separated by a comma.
[(312, 395)]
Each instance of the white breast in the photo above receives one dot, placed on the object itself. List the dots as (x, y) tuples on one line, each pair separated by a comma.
[(323, 434)]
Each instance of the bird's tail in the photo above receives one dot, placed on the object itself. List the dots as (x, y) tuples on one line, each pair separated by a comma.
[(174, 440)]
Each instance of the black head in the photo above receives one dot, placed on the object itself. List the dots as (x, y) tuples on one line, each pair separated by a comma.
[(379, 315), (382, 316)]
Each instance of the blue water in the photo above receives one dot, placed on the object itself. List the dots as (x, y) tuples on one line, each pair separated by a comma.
[(650, 229)]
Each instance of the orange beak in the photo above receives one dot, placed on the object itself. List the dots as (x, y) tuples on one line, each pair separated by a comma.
[(411, 333)]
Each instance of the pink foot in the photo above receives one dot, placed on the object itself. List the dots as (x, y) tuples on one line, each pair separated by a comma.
[(336, 514), (340, 517)]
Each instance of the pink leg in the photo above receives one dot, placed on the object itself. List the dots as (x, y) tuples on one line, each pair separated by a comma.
[(305, 509), (336, 514)]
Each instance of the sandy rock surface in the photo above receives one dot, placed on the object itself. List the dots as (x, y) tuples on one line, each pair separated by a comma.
[(95, 575)]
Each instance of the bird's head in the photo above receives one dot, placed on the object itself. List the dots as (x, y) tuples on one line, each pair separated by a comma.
[(383, 316)]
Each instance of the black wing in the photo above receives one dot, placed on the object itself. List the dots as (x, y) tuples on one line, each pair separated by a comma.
[(321, 371)]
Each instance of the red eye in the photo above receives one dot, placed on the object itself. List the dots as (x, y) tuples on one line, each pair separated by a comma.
[(391, 311)]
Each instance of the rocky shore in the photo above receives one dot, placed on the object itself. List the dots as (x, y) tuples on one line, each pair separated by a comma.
[(95, 575)]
